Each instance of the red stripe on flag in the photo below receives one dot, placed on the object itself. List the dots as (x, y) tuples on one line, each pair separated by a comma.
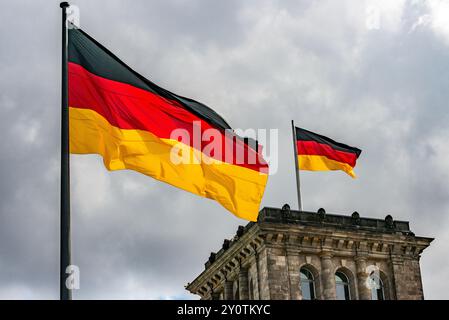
[(320, 149), (127, 107)]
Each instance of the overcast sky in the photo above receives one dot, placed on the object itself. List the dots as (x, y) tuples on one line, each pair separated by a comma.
[(373, 74)]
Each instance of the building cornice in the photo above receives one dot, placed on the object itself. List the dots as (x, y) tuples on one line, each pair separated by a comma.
[(228, 260)]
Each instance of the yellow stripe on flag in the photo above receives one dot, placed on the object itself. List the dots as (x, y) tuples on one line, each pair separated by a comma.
[(237, 188), (322, 163)]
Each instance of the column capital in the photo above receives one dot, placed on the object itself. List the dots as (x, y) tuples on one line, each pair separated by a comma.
[(361, 256), (292, 251), (326, 254), (243, 270), (396, 260)]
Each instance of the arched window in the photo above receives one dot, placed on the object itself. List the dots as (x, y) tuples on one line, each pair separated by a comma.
[(307, 284), (377, 287), (342, 286)]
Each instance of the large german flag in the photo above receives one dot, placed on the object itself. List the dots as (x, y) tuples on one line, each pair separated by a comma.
[(320, 153), (129, 121)]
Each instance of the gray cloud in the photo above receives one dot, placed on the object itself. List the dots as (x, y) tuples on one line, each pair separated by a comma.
[(259, 64)]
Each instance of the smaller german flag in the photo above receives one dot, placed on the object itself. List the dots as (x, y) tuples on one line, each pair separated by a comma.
[(319, 153)]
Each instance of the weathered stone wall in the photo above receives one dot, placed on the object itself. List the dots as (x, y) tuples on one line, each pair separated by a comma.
[(284, 277), (407, 278), (263, 261), (278, 275)]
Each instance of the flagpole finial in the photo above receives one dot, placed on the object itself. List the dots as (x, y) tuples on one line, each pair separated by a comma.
[(64, 4)]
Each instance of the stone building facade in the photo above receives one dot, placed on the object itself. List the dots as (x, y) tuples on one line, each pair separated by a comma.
[(305, 255)]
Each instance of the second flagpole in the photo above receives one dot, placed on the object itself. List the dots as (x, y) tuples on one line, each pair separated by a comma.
[(298, 181)]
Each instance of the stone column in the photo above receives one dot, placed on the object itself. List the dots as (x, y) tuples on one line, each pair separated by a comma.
[(399, 284), (328, 276), (362, 276), (418, 279), (243, 284), (293, 275), (398, 287), (228, 290)]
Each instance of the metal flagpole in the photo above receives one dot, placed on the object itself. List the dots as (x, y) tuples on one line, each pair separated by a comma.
[(295, 150), (65, 293)]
